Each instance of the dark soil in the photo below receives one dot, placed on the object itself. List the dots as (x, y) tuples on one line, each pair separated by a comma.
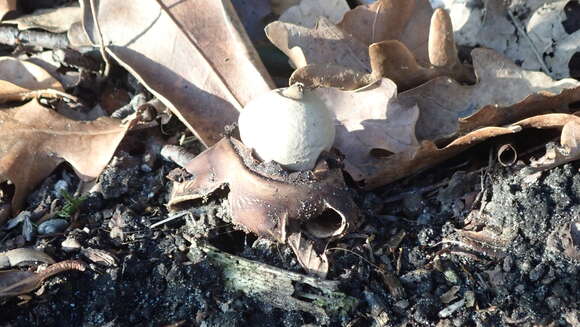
[(154, 282)]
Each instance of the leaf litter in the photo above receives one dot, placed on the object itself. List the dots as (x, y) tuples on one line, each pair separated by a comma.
[(389, 132), (206, 96)]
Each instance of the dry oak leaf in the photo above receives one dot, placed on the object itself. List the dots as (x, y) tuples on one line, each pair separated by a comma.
[(306, 13), (194, 55), (403, 20), (18, 78), (503, 94), (313, 262), (34, 140), (55, 20), (393, 60), (269, 205), (569, 149), (383, 171), (254, 15), (324, 44), (370, 119), (7, 6), (280, 6)]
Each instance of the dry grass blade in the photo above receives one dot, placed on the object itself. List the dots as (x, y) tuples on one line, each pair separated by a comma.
[(306, 13), (57, 20)]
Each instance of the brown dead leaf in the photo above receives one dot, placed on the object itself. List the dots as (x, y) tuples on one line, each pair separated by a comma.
[(312, 261), (7, 6), (194, 56), (382, 171), (324, 44), (393, 60), (269, 205), (370, 119), (403, 20), (22, 256), (77, 38), (34, 140), (307, 12), (13, 283), (55, 20), (569, 149), (280, 6), (503, 94), (328, 75), (19, 77), (490, 26), (46, 60), (254, 15)]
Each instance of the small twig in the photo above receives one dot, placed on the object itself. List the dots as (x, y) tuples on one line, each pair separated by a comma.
[(72, 58), (170, 218), (101, 42), (10, 35), (60, 267), (176, 154), (522, 31), (50, 94), (358, 255)]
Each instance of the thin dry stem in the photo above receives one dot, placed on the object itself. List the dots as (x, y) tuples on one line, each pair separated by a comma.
[(101, 42)]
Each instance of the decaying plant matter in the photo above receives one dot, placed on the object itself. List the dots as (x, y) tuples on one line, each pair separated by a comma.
[(35, 140), (392, 59), (13, 282), (271, 203), (207, 95)]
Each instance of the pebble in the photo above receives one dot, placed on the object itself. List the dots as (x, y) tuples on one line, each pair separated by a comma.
[(70, 244), (52, 226)]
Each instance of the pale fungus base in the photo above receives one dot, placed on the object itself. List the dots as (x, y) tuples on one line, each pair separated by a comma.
[(290, 126)]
